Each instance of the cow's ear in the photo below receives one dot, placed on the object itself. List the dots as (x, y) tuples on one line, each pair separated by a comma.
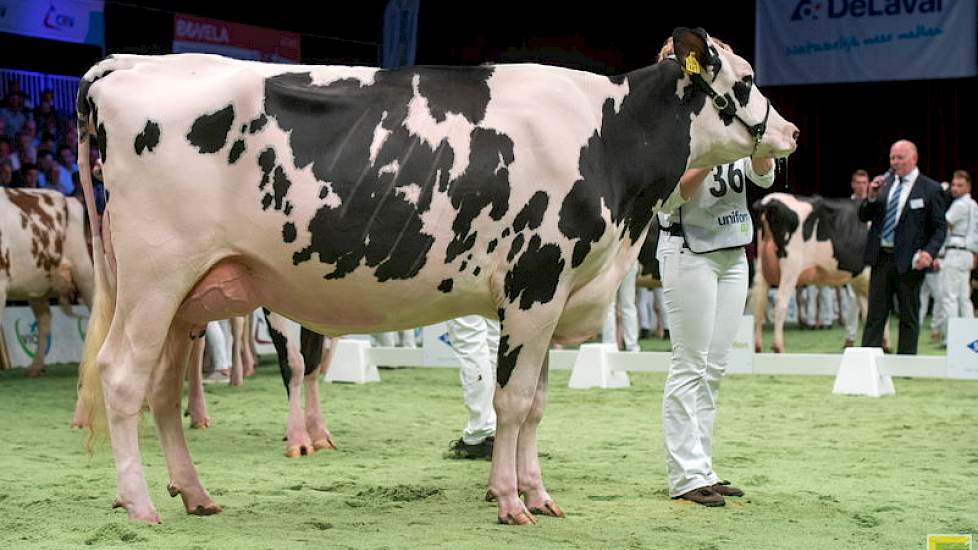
[(691, 49)]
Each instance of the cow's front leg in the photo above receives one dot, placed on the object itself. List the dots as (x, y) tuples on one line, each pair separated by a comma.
[(522, 348), (528, 474)]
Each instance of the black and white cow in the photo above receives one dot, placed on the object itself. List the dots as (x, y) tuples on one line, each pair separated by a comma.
[(358, 200), (806, 241)]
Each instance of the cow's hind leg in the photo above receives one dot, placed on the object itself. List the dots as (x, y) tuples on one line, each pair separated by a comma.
[(42, 315), (286, 336), (317, 354), (522, 348), (164, 400), (528, 473)]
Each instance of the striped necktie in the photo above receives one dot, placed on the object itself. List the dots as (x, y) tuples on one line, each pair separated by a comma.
[(892, 207)]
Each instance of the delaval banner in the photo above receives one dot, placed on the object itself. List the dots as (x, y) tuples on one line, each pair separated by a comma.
[(64, 346), (81, 21), (820, 41)]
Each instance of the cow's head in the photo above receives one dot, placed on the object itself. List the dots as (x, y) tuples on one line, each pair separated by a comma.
[(731, 117)]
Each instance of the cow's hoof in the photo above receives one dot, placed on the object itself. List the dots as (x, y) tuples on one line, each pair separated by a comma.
[(777, 349), (324, 444), (549, 508), (146, 516), (757, 348), (519, 518), (294, 451), (206, 509), (200, 423), (490, 496)]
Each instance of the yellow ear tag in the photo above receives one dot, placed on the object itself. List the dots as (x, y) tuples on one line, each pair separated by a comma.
[(692, 66)]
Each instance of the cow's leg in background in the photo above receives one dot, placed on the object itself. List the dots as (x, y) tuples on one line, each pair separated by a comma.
[(237, 351), (790, 270), (286, 336), (247, 346), (196, 406), (164, 400), (317, 352), (523, 346), (4, 356), (759, 298), (42, 316)]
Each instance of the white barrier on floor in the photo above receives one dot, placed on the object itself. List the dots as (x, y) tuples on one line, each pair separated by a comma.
[(860, 374)]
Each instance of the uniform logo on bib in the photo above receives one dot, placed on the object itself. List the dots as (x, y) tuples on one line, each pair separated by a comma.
[(734, 217)]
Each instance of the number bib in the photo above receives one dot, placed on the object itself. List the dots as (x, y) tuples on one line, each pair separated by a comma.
[(717, 216)]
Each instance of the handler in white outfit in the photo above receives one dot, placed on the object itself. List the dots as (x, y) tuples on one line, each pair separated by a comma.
[(475, 341), (705, 226), (956, 265)]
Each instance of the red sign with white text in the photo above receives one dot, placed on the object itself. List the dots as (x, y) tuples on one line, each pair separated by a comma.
[(192, 34)]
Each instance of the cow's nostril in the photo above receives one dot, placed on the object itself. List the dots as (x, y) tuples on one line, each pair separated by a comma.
[(795, 135)]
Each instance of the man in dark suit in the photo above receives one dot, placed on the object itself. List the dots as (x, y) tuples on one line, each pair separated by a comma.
[(907, 213)]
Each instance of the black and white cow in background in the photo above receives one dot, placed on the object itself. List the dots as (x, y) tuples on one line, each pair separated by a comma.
[(806, 241), (358, 200)]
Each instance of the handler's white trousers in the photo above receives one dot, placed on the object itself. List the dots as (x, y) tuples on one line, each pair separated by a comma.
[(218, 338), (955, 277), (705, 297), (476, 343), (624, 297), (932, 288)]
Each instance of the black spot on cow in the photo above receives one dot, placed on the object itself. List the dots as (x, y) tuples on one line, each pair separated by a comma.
[(257, 124), (281, 349), (534, 277), (782, 221), (506, 360), (266, 161), (476, 271), (633, 161), (505, 232), (742, 89), (280, 186), (236, 150), (288, 232), (648, 264), (484, 183), (515, 247), (331, 129), (456, 90), (323, 192), (148, 139), (209, 132), (837, 221), (492, 245), (501, 314), (446, 285), (101, 139), (464, 266), (288, 208), (244, 127), (532, 214), (266, 201)]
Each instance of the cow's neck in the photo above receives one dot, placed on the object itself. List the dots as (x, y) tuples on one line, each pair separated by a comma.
[(646, 145)]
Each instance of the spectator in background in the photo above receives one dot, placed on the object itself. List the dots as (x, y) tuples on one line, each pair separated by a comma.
[(45, 109), (7, 153), (53, 175), (48, 143), (30, 174), (3, 128), (957, 260), (27, 155), (30, 131), (8, 177), (15, 115), (67, 159)]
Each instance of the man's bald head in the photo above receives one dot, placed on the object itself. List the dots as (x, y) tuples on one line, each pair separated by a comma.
[(903, 157)]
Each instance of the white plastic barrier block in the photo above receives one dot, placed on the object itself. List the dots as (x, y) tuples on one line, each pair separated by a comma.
[(437, 347), (859, 374), (962, 348), (593, 370), (350, 363), (741, 357)]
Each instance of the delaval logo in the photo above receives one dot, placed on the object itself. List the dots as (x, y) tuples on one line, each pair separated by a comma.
[(835, 9), (973, 346), (28, 338), (58, 21), (446, 340)]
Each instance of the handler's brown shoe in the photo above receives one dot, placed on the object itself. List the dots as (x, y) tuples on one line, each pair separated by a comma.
[(726, 489), (704, 495)]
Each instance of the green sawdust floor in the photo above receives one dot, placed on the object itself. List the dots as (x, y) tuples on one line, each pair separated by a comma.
[(820, 471)]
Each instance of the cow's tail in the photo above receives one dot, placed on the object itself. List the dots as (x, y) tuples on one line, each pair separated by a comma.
[(103, 303)]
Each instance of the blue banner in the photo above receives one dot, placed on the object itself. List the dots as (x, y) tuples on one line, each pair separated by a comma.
[(81, 21), (400, 33), (818, 41)]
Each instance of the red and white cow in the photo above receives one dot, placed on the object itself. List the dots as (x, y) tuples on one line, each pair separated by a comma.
[(360, 200), (806, 241), (43, 254)]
